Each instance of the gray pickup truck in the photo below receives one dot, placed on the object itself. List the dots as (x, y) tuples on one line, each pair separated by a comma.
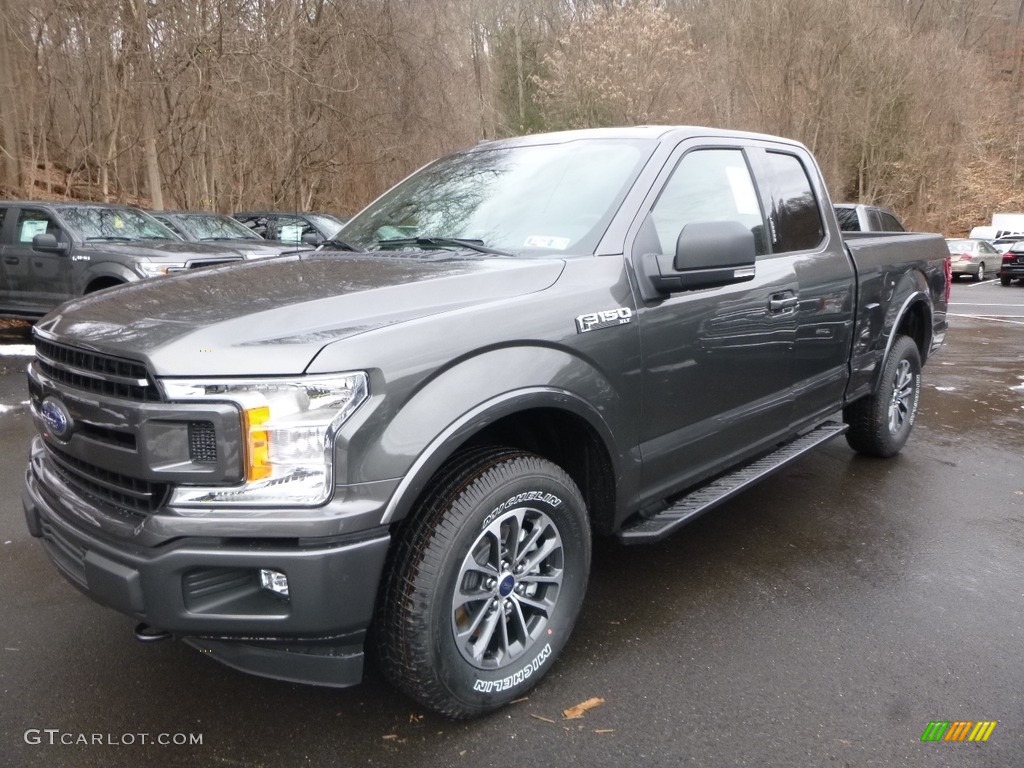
[(52, 252), (542, 338)]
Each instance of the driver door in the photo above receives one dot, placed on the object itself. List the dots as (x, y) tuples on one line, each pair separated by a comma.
[(717, 362)]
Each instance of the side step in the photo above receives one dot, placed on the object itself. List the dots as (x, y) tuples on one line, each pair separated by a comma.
[(714, 493)]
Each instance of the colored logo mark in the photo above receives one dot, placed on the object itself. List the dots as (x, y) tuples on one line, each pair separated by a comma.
[(959, 730)]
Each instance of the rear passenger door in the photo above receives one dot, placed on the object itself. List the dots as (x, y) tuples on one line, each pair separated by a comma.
[(793, 196)]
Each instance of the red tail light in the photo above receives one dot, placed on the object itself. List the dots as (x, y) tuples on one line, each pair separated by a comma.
[(1009, 257), (949, 277)]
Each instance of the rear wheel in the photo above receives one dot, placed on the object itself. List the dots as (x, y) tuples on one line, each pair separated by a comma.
[(880, 424), (485, 583), (1004, 281)]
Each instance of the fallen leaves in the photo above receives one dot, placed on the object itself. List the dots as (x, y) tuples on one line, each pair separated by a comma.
[(575, 713)]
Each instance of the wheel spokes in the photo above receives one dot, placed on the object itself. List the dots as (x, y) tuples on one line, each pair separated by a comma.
[(507, 588)]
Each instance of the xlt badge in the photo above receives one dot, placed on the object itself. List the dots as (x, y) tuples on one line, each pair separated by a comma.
[(593, 321)]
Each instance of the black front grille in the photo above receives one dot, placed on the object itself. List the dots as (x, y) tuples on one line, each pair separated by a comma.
[(199, 264), (202, 442), (93, 372), (126, 495)]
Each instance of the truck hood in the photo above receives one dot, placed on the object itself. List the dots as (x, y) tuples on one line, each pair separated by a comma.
[(161, 250), (273, 316), (253, 248)]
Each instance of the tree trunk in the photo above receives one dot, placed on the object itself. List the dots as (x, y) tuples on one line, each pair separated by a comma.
[(137, 11), (11, 147)]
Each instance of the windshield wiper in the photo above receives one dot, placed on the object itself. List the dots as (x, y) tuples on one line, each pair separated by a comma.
[(340, 245), (442, 242), (222, 239), (118, 239)]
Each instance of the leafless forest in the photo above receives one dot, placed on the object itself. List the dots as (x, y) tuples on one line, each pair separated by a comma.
[(322, 104)]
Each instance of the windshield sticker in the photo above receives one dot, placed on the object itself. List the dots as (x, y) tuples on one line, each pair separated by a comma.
[(742, 191), (30, 229), (540, 241), (291, 232)]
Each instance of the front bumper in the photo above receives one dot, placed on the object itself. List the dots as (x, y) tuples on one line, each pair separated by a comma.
[(207, 589)]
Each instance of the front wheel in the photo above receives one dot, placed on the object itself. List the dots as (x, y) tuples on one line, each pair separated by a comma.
[(980, 274), (880, 424), (485, 582)]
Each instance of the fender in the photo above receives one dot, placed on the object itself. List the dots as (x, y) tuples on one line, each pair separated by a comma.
[(456, 434), (468, 395), (104, 269), (890, 329), (912, 289)]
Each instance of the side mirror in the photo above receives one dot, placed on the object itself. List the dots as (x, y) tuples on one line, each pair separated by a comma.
[(707, 254), (312, 238), (48, 243)]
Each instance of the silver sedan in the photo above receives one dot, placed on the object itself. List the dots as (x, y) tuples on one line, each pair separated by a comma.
[(973, 257)]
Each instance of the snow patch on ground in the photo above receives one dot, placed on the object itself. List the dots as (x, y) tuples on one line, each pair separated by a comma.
[(17, 350)]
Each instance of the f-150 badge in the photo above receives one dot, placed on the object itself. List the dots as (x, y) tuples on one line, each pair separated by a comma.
[(608, 318)]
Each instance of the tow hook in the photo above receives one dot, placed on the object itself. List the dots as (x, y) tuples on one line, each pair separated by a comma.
[(147, 634)]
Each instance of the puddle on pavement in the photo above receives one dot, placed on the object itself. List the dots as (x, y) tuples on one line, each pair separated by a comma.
[(975, 384)]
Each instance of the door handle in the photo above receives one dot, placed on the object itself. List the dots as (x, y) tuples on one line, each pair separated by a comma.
[(11, 259), (782, 302)]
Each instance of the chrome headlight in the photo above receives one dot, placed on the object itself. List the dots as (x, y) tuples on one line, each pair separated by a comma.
[(288, 426)]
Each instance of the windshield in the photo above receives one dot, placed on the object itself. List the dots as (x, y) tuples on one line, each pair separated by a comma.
[(98, 223), (549, 197), (213, 226)]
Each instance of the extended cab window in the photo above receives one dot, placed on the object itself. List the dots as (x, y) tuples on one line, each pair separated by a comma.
[(890, 223), (708, 185), (796, 224)]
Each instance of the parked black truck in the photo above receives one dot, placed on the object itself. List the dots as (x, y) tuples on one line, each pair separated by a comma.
[(604, 331), (54, 251)]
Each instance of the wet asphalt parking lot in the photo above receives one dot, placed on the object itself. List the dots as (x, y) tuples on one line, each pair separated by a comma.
[(822, 619)]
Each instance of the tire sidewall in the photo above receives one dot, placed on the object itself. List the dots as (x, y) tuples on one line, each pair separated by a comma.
[(482, 689), (904, 349)]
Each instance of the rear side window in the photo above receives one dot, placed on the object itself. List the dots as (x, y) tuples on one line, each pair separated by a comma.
[(795, 221), (848, 219), (890, 223), (708, 185)]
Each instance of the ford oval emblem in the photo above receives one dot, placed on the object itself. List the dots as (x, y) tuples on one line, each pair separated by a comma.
[(56, 417)]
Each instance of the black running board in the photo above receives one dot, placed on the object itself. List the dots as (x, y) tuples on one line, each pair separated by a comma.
[(714, 493)]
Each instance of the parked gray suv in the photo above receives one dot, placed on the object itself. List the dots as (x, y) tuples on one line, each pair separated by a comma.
[(51, 252), (208, 227)]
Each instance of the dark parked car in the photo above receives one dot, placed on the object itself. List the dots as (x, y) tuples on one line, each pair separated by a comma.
[(289, 227), (1012, 267), (972, 257), (866, 218), (205, 227), (52, 252), (545, 338)]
